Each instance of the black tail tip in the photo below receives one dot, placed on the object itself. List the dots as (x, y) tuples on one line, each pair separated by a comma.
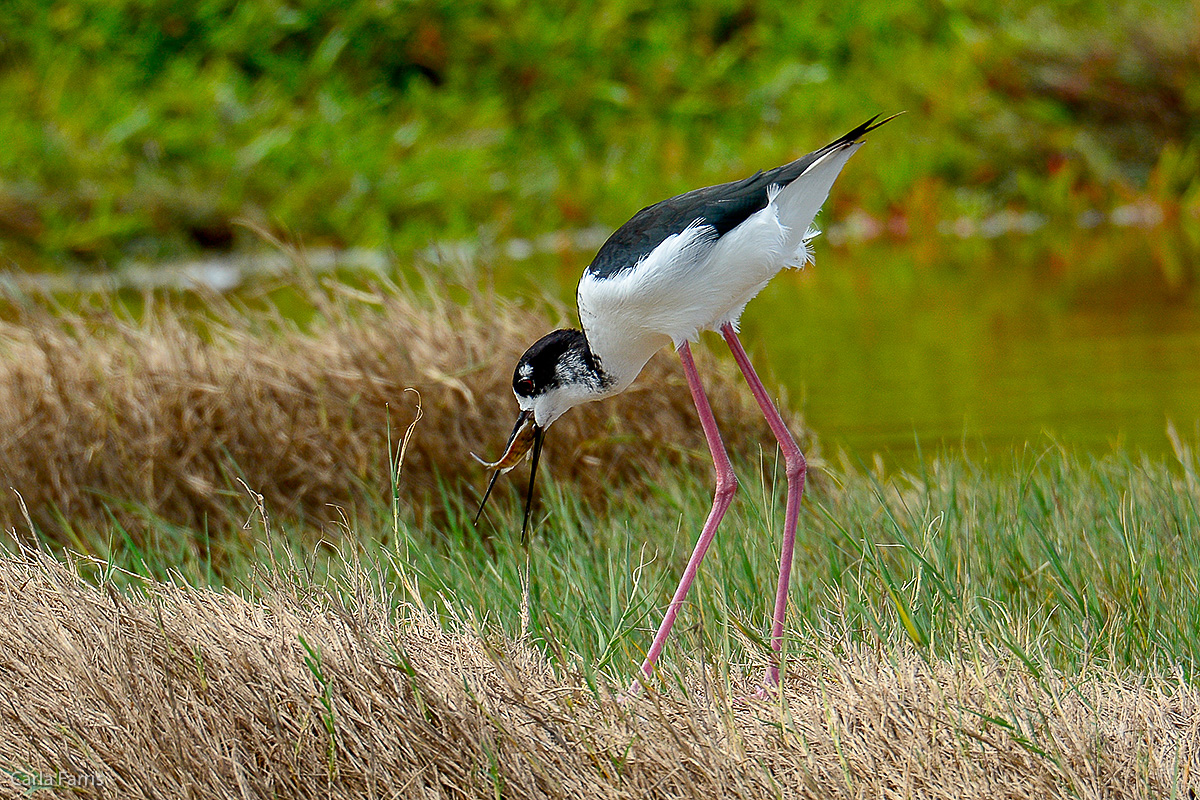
[(873, 123)]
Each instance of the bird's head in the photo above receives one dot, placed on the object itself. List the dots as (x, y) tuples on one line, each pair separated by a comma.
[(556, 373)]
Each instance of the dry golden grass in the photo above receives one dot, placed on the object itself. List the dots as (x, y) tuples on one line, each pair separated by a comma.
[(101, 413), (312, 692)]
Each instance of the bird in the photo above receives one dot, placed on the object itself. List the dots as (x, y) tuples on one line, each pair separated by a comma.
[(677, 268)]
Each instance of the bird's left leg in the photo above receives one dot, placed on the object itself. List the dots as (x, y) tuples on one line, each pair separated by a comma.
[(795, 468), (725, 489)]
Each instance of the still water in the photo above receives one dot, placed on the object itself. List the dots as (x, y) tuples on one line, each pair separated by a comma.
[(988, 344)]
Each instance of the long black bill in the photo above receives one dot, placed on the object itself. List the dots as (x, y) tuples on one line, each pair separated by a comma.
[(538, 435), (486, 495), (519, 441)]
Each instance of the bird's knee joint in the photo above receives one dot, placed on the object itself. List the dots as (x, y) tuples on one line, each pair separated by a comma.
[(727, 487), (796, 467)]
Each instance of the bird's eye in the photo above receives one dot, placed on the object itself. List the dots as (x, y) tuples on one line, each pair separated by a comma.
[(525, 386)]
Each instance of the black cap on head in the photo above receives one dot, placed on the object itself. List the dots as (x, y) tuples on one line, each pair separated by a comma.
[(539, 369)]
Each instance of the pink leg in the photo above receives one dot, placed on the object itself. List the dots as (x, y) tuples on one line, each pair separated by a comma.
[(726, 486), (795, 468)]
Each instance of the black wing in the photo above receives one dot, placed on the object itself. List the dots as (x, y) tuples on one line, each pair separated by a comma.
[(723, 207)]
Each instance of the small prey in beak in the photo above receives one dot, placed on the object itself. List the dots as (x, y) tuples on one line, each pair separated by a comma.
[(525, 434)]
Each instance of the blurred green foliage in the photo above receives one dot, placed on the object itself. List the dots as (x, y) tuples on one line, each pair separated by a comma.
[(144, 128)]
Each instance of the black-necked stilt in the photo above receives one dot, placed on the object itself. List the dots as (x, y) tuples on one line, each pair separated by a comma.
[(680, 267)]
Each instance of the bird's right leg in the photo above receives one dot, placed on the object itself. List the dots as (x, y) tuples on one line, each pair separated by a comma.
[(726, 486), (796, 468)]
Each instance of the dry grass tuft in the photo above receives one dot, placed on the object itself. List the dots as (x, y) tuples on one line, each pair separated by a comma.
[(99, 412), (184, 692)]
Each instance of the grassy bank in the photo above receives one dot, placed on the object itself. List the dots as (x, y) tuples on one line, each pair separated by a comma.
[(1031, 634)]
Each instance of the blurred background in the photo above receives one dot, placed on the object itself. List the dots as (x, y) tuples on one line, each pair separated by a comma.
[(1014, 258)]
